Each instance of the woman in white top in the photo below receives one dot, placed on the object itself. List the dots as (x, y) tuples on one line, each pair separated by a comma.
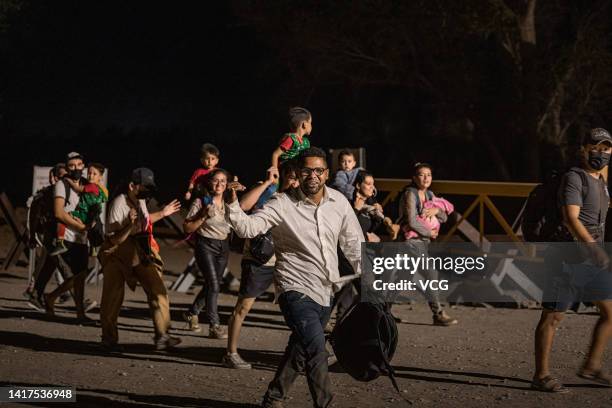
[(206, 218)]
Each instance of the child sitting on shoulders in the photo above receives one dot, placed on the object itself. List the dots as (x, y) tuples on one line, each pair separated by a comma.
[(209, 159)]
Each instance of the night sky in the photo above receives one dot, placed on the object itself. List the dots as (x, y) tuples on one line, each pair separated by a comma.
[(128, 86), (131, 85)]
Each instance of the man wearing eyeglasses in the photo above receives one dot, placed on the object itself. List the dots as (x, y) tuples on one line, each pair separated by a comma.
[(308, 224)]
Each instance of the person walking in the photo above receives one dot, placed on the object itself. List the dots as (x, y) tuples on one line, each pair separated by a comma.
[(308, 224), (130, 255)]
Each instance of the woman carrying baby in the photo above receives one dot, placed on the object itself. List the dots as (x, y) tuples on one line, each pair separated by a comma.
[(421, 214)]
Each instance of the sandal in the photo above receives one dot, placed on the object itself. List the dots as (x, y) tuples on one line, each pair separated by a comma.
[(597, 376), (548, 384)]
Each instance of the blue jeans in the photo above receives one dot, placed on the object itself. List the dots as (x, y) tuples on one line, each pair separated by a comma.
[(305, 351)]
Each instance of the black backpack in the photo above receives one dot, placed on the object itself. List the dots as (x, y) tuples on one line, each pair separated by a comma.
[(41, 221), (364, 341), (542, 220), (262, 247), (95, 235)]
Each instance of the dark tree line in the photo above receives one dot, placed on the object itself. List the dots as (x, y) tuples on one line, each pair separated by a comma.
[(520, 78)]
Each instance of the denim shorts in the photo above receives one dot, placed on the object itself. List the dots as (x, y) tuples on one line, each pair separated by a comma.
[(255, 279), (575, 283)]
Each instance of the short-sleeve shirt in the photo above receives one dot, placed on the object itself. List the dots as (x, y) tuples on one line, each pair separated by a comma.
[(119, 216), (199, 175), (292, 146), (593, 206), (63, 190), (216, 227)]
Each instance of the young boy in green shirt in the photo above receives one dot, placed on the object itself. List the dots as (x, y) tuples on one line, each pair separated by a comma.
[(91, 197), (290, 145)]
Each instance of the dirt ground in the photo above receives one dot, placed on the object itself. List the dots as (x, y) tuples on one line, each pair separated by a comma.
[(484, 361)]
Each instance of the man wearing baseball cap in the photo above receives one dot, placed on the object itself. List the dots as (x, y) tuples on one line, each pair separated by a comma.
[(130, 255), (584, 201), (73, 262)]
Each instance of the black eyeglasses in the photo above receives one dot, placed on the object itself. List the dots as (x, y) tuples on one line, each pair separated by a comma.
[(307, 171)]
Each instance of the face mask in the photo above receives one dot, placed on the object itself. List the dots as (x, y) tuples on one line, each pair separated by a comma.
[(75, 174), (144, 194), (598, 160)]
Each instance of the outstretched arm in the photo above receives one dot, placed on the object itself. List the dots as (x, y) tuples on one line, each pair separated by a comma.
[(249, 226), (276, 156), (249, 199), (167, 211)]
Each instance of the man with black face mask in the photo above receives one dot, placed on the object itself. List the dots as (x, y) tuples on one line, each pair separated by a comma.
[(74, 261), (129, 255), (584, 208)]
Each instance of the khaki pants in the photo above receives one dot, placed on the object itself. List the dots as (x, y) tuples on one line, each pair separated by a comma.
[(115, 271)]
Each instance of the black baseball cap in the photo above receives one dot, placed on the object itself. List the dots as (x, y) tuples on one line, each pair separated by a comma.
[(145, 177), (74, 155), (597, 136)]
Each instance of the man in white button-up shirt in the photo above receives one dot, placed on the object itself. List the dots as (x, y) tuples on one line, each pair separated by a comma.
[(308, 224)]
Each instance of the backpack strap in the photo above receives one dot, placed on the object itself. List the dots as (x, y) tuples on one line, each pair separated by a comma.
[(390, 370), (67, 190), (583, 178)]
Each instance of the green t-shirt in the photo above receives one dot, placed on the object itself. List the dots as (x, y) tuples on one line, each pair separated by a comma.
[(90, 202), (292, 146)]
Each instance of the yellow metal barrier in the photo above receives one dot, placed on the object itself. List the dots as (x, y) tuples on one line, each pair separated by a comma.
[(483, 190)]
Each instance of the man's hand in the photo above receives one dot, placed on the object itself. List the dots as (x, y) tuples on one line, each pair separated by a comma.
[(81, 226), (188, 196), (272, 175), (235, 185), (599, 256), (171, 208), (133, 215), (372, 237)]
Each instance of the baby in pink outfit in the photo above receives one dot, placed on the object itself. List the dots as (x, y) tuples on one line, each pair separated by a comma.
[(431, 223)]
